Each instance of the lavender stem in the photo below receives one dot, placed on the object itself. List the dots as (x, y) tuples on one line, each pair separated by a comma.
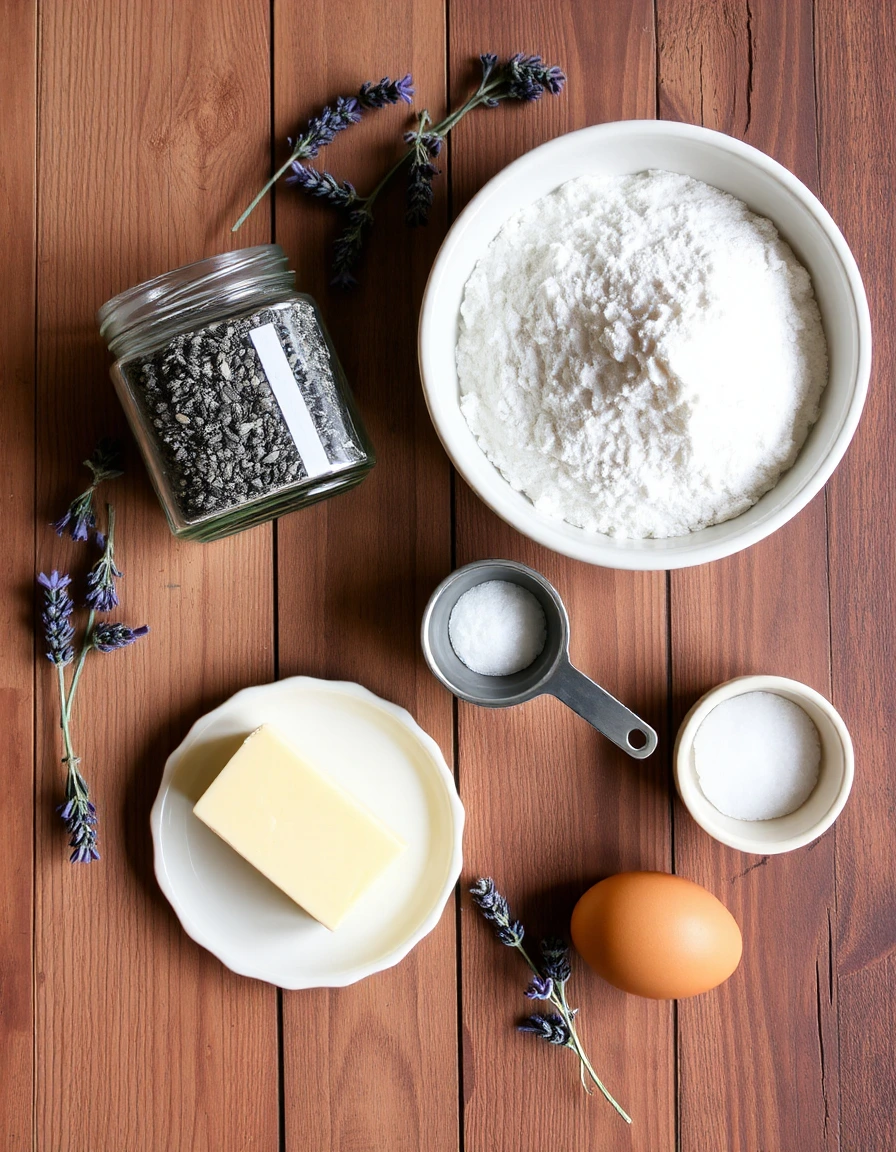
[(82, 656)]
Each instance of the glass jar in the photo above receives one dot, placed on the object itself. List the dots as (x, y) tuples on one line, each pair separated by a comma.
[(234, 393)]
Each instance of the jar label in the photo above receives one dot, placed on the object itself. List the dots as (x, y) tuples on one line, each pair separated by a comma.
[(292, 403)]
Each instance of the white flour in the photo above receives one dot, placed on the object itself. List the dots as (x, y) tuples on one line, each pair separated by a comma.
[(640, 355)]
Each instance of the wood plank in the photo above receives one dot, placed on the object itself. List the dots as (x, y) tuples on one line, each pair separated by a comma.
[(553, 806), (354, 573), (151, 116), (18, 98), (748, 70), (856, 48)]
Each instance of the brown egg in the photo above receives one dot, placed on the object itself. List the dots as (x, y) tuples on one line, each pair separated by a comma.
[(656, 935)]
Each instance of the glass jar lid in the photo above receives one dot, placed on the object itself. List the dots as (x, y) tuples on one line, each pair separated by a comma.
[(196, 294)]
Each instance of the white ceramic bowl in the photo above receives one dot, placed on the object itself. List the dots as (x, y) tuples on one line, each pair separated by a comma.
[(770, 190), (374, 749), (816, 815)]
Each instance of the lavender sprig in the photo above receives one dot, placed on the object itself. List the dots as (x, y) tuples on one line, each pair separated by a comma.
[(548, 982), (79, 518), (79, 812), (322, 129), (520, 77), (101, 593)]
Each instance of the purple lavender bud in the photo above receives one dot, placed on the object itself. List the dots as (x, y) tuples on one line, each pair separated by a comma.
[(386, 92), (529, 78), (540, 988), (78, 519), (58, 607), (551, 1028), (110, 637), (489, 60), (321, 185), (496, 911), (79, 817), (419, 194), (404, 88), (555, 956)]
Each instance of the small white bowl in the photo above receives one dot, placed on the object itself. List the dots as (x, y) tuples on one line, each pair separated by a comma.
[(816, 815), (377, 751), (770, 190)]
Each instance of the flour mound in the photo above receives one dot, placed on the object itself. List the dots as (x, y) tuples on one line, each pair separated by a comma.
[(640, 355)]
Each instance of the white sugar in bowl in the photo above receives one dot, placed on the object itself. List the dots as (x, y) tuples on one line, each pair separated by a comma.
[(815, 815)]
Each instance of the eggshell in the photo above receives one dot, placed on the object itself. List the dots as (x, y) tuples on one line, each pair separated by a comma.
[(656, 935)]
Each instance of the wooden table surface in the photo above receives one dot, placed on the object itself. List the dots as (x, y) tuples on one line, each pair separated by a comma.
[(133, 135)]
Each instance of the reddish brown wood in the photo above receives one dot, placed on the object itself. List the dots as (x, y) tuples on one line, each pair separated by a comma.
[(552, 806), (856, 47), (150, 116), (355, 573), (758, 1057), (154, 122), (18, 98)]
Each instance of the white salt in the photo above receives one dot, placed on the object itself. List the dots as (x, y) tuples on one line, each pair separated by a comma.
[(757, 756), (497, 628)]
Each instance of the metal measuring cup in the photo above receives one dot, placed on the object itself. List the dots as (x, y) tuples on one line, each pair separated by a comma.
[(550, 673)]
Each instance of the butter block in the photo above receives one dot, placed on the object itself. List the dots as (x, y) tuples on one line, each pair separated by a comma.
[(309, 836)]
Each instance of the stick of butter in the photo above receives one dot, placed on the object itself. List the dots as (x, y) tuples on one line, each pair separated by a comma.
[(309, 836)]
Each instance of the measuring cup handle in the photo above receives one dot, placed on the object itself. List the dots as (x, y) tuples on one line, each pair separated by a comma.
[(603, 711)]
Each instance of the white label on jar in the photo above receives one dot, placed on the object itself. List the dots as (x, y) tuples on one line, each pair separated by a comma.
[(292, 403)]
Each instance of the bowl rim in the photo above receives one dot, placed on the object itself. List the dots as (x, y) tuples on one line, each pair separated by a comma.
[(701, 810), (194, 928), (596, 548)]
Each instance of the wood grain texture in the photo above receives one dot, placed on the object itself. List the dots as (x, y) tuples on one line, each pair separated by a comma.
[(354, 573), (856, 50), (116, 1031), (552, 806), (747, 69), (148, 115), (18, 99)]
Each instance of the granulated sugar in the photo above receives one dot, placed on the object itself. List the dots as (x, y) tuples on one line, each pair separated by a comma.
[(497, 628), (640, 355), (757, 756)]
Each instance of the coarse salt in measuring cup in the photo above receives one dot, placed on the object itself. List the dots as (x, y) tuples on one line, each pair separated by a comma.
[(497, 628)]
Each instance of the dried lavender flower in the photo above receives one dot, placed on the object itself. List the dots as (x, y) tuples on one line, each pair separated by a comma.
[(496, 911), (550, 977), (101, 594), (110, 637), (79, 812), (321, 185), (555, 959), (347, 248), (58, 607), (79, 816), (552, 1028), (520, 77), (322, 129), (540, 988), (528, 78), (387, 92), (79, 518)]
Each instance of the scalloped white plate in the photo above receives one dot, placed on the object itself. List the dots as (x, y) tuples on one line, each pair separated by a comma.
[(377, 751)]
